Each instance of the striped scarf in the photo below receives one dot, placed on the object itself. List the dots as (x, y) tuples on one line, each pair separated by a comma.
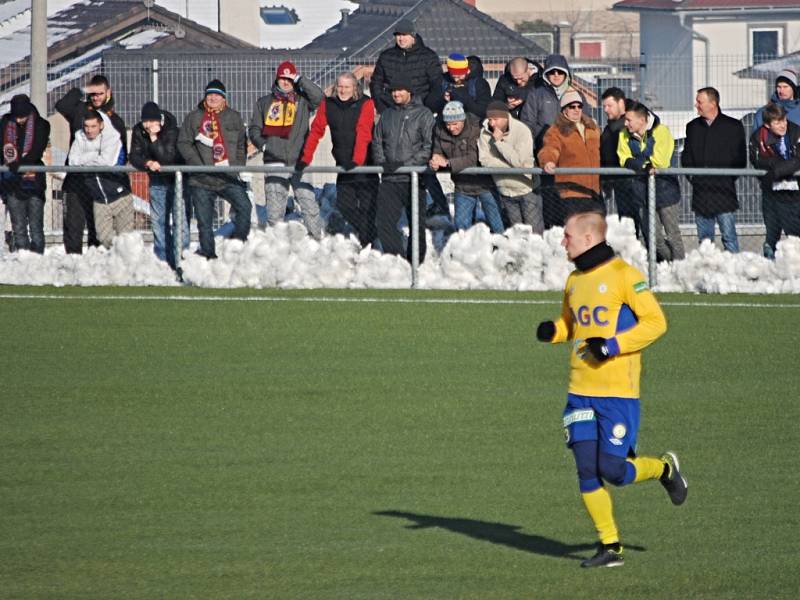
[(10, 151), (211, 129)]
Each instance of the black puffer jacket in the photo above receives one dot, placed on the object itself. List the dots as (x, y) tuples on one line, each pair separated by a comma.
[(475, 93), (15, 183), (419, 64), (506, 85), (164, 150), (403, 136), (765, 154), (542, 104)]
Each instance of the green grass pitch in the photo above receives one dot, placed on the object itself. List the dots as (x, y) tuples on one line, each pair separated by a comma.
[(347, 450)]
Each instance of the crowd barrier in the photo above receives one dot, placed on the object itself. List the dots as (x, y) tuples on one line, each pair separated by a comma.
[(626, 193)]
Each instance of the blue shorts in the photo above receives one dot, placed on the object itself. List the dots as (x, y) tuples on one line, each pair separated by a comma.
[(613, 422)]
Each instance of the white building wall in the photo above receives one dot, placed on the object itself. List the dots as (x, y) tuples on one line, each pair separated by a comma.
[(204, 12)]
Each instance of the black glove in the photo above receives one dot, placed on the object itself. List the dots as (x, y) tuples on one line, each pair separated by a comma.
[(546, 331), (599, 348), (350, 164), (391, 167), (300, 166)]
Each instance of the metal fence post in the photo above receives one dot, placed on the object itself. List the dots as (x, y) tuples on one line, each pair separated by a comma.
[(155, 80), (651, 230), (414, 227), (642, 76), (178, 212)]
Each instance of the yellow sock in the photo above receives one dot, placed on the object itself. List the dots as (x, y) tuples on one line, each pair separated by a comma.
[(647, 468), (598, 505)]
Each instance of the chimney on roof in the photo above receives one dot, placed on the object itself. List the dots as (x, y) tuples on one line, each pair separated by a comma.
[(345, 16)]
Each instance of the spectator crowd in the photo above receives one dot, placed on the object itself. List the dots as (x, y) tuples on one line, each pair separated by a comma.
[(417, 113)]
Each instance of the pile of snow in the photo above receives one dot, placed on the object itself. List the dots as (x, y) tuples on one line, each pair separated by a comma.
[(286, 257)]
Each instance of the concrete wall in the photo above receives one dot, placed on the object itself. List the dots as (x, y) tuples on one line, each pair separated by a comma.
[(241, 19), (668, 52)]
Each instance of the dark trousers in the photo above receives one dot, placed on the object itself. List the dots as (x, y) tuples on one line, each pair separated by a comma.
[(440, 204), (78, 213), (628, 203), (357, 200), (552, 210), (393, 197), (27, 221), (788, 216), (204, 200)]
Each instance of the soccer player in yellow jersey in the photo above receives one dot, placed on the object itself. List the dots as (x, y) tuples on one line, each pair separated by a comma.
[(609, 314)]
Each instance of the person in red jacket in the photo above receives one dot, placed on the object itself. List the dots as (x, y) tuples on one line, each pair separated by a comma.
[(350, 116)]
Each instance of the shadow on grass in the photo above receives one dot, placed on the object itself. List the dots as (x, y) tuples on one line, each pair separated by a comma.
[(497, 533)]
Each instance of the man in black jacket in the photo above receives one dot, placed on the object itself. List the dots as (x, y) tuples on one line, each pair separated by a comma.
[(25, 136), (154, 143), (464, 83), (714, 140), (403, 137), (617, 186), (519, 77), (411, 60), (78, 209)]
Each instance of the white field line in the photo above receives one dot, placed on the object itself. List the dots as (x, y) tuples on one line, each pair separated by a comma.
[(177, 298)]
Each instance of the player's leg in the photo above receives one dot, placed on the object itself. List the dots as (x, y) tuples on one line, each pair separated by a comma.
[(580, 428)]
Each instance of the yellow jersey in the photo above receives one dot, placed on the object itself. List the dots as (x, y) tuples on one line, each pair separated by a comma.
[(612, 301)]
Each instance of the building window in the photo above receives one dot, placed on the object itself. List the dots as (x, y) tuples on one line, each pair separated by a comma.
[(592, 49), (766, 43), (279, 15)]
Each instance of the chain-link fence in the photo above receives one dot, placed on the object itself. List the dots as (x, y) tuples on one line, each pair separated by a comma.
[(397, 213)]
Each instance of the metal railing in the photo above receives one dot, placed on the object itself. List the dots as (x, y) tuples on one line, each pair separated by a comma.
[(414, 173)]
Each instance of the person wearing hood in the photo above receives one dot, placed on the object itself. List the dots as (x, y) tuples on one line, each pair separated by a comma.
[(410, 60), (25, 137), (98, 143), (213, 135), (785, 95), (278, 128), (520, 76), (403, 136), (540, 110), (78, 209), (464, 83), (644, 146), (350, 115), (775, 147), (154, 143), (506, 142), (573, 141)]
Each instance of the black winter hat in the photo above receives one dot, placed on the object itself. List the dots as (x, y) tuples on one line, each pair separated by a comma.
[(215, 86), (405, 26), (21, 106), (151, 112), (401, 82)]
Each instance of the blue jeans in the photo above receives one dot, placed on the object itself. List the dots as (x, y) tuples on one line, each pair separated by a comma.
[(162, 221), (204, 200), (27, 221), (465, 209), (727, 229)]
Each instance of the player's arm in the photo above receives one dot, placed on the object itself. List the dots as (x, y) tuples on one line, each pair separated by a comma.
[(651, 323), (561, 330)]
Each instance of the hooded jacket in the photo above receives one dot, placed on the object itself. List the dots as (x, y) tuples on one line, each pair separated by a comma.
[(462, 152), (419, 64), (719, 145), (285, 150), (764, 154), (791, 106), (474, 93), (653, 149), (15, 183), (164, 150), (403, 135), (195, 153), (542, 104), (566, 147), (104, 151), (513, 150)]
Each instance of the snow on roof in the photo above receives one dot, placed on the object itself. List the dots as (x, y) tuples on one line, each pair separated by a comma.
[(315, 17)]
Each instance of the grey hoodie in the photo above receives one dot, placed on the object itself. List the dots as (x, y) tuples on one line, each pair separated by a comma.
[(542, 105)]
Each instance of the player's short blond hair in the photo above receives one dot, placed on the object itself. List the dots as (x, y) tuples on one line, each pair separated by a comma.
[(590, 220)]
